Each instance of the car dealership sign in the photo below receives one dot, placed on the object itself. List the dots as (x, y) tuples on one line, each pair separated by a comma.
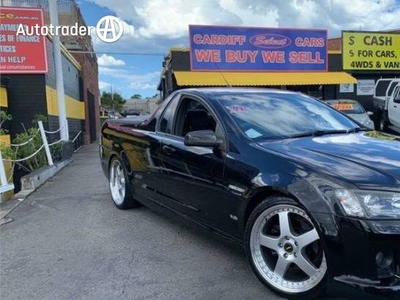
[(363, 50), (21, 53), (219, 48)]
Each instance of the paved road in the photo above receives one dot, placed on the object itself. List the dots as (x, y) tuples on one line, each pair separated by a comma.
[(68, 241)]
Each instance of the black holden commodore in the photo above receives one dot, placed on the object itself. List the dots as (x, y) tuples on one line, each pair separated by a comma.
[(312, 196)]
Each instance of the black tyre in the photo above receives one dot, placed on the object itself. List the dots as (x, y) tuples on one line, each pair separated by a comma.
[(285, 249), (383, 123), (120, 188)]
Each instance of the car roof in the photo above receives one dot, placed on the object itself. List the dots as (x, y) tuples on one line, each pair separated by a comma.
[(213, 91)]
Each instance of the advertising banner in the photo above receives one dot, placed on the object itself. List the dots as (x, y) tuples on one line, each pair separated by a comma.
[(220, 48), (22, 53), (370, 50)]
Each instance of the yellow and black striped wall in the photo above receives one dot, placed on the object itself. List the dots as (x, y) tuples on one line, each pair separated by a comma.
[(31, 94), (75, 106)]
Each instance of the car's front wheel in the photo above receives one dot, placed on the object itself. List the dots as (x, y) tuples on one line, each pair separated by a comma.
[(120, 187), (285, 249)]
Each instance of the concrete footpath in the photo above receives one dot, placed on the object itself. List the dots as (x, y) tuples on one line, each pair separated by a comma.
[(68, 241)]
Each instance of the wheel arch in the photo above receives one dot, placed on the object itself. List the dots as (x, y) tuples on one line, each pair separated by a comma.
[(122, 157), (273, 191), (260, 195)]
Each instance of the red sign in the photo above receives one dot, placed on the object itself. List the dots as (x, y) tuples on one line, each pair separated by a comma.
[(22, 53)]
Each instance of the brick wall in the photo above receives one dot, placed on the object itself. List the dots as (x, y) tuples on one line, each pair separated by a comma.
[(90, 83)]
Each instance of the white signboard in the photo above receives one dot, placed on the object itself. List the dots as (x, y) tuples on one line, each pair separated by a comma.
[(365, 87), (346, 88)]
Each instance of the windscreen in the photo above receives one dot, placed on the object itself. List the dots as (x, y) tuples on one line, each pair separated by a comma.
[(279, 115)]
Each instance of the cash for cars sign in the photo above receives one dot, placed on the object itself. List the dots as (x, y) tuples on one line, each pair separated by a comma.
[(219, 48), (370, 50), (21, 54)]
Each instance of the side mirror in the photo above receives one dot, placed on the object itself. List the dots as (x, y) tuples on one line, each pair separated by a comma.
[(370, 113), (202, 138)]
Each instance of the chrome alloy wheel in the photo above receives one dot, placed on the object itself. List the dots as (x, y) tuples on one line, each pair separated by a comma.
[(286, 249), (117, 182)]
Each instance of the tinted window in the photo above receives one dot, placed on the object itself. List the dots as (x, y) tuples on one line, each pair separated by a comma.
[(280, 115), (168, 115), (193, 116)]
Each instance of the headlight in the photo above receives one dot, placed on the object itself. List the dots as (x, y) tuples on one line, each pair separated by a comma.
[(369, 123), (370, 204)]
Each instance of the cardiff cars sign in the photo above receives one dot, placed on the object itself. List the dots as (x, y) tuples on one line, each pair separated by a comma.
[(220, 48)]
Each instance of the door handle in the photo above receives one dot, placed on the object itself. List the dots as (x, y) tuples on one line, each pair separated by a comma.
[(395, 106), (167, 150)]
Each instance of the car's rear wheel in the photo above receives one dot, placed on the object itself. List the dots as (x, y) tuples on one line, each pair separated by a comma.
[(285, 249), (120, 187)]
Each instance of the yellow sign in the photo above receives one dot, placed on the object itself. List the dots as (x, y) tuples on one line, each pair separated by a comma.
[(370, 51)]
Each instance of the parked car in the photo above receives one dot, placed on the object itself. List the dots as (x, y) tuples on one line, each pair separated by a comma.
[(313, 197), (130, 112), (353, 109), (386, 101)]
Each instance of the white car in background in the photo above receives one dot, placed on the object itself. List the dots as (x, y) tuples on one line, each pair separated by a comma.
[(354, 110)]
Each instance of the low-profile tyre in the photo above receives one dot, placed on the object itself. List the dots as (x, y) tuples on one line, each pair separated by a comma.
[(285, 249), (120, 188)]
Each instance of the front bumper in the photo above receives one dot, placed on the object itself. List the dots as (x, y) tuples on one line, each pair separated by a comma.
[(365, 254)]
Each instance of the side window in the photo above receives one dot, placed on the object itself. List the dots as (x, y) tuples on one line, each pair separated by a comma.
[(168, 116), (193, 116), (397, 94)]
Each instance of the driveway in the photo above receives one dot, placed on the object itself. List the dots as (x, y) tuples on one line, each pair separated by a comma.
[(68, 241)]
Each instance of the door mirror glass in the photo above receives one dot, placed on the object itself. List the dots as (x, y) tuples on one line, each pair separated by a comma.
[(202, 138)]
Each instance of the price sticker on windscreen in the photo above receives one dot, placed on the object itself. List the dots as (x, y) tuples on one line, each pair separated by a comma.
[(343, 106)]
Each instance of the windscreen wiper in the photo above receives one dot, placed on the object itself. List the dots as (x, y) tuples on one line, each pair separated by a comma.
[(357, 129), (325, 132)]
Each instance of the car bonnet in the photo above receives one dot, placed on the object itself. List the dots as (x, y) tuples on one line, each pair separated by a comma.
[(368, 159)]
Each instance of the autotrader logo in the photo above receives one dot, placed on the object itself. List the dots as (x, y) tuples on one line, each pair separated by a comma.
[(109, 29)]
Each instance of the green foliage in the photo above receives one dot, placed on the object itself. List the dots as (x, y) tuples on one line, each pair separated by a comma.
[(7, 152), (136, 96), (37, 118), (4, 116), (112, 101), (39, 160), (33, 135)]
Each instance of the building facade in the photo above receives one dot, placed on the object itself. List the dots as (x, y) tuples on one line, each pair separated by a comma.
[(336, 83), (36, 94)]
